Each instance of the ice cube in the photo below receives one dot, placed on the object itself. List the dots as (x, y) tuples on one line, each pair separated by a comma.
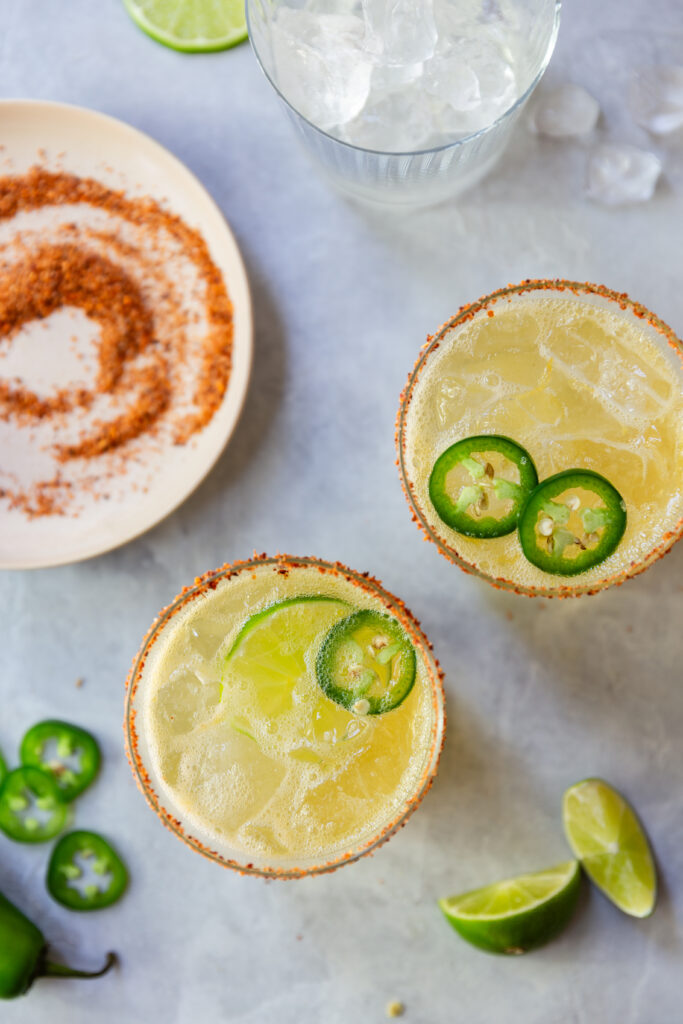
[(565, 111), (320, 65), (619, 174), (656, 98), (474, 80), (399, 122), (400, 31)]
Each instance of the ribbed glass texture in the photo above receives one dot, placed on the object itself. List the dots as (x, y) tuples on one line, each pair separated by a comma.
[(424, 176)]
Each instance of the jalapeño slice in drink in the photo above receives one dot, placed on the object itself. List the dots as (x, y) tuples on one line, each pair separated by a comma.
[(479, 485), (77, 855), (572, 521), (366, 663), (70, 754), (31, 808)]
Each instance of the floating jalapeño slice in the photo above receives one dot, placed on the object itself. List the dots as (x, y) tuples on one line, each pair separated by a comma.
[(70, 754), (76, 853), (366, 663), (31, 808), (571, 522), (479, 485)]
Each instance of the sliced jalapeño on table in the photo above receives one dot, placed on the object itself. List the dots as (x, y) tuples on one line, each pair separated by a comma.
[(367, 663), (68, 753), (479, 485), (31, 807), (571, 522), (85, 873)]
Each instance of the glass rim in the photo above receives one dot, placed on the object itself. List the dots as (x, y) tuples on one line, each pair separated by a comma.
[(467, 312), (341, 856), (463, 140)]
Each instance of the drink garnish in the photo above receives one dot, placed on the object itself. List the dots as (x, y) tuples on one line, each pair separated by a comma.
[(571, 522), (518, 914), (366, 663), (479, 485), (605, 834)]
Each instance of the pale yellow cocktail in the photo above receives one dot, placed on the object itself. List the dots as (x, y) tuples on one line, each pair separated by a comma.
[(254, 753), (580, 377)]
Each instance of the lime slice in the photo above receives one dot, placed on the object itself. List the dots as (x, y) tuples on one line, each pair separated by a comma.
[(606, 836), (271, 649), (518, 914), (195, 26)]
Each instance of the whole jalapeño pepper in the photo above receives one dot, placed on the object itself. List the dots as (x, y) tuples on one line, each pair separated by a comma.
[(23, 954)]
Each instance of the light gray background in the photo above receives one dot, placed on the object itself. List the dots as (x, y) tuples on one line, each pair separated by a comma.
[(539, 694)]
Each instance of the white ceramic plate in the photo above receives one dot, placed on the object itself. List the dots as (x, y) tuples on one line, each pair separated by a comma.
[(86, 143)]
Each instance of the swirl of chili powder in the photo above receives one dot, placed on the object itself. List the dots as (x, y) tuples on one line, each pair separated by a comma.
[(54, 276)]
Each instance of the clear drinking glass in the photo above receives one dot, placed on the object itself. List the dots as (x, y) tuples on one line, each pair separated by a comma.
[(420, 176), (208, 844)]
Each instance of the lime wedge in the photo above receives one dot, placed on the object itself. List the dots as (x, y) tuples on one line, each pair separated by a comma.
[(195, 26), (518, 914), (606, 836), (271, 649)]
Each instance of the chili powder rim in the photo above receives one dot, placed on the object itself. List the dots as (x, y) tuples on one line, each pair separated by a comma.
[(468, 312), (283, 564)]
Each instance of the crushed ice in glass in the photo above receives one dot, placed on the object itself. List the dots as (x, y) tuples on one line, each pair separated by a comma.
[(619, 174), (399, 75), (656, 98), (565, 111)]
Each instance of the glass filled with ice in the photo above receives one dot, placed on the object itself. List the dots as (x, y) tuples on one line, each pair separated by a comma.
[(404, 100)]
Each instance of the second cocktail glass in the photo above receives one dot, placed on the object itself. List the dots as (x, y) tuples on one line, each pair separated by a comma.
[(580, 377)]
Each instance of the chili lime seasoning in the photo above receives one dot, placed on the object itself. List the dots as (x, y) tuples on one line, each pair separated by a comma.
[(163, 358)]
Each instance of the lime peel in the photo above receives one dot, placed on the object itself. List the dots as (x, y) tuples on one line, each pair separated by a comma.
[(517, 914), (603, 831), (191, 26)]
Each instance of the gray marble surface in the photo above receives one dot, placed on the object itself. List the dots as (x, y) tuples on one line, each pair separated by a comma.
[(539, 694)]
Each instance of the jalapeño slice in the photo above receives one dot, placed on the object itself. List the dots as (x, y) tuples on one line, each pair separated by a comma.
[(31, 808), (3, 767), (366, 663), (85, 873), (572, 521), (479, 485), (70, 754)]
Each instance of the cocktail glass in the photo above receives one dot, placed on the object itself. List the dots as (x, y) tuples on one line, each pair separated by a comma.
[(143, 764), (421, 176), (451, 545)]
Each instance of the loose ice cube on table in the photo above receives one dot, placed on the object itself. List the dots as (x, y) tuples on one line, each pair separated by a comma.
[(321, 67), (619, 174), (565, 111), (400, 31), (656, 98)]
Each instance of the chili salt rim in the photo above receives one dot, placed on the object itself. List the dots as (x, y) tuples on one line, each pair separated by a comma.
[(468, 312), (282, 563)]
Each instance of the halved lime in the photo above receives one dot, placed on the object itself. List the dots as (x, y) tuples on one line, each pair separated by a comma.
[(518, 914), (195, 26), (270, 650), (605, 834)]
